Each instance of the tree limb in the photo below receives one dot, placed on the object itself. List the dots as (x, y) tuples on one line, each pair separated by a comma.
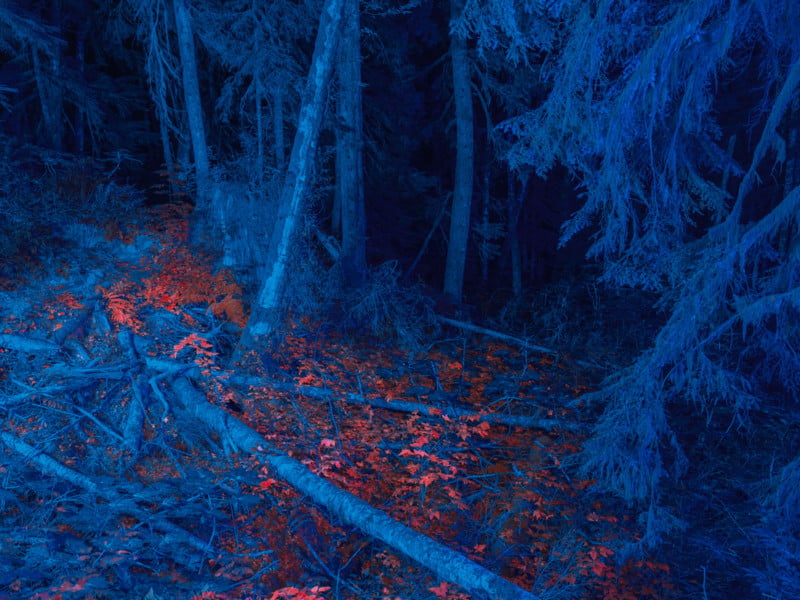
[(47, 464), (515, 340), (403, 406), (26, 344)]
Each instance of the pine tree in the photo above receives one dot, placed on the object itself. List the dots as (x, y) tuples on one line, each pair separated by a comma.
[(678, 204)]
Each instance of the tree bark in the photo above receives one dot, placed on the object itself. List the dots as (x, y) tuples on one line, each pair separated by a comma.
[(349, 164), (462, 191), (515, 202), (194, 105), (268, 308), (277, 125)]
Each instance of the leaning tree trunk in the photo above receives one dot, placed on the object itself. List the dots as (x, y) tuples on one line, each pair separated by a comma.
[(462, 192), (194, 107), (267, 311), (349, 164)]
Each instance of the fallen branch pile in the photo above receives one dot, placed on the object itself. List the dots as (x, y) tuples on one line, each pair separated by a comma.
[(138, 477), (81, 392), (134, 463)]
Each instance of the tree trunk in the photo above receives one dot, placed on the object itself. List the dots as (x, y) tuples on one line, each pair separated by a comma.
[(277, 125), (158, 92), (80, 109), (349, 165), (267, 310), (446, 563), (258, 176), (485, 252), (515, 201), (462, 192), (194, 106)]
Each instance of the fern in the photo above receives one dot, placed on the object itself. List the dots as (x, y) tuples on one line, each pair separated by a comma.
[(120, 303)]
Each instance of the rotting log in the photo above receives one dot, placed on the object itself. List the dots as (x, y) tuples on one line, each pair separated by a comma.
[(440, 559)]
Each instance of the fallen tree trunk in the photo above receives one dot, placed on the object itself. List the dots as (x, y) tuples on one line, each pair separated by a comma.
[(443, 561), (403, 406), (26, 344), (453, 412), (515, 340)]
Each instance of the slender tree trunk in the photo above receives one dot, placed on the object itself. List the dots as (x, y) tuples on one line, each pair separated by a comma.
[(194, 106), (515, 200), (462, 192), (268, 308), (485, 252), (158, 92), (349, 165), (277, 125), (260, 135)]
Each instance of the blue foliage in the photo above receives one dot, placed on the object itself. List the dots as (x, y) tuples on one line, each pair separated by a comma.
[(632, 110), (779, 538)]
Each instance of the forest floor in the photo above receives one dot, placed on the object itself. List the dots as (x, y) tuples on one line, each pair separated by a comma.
[(124, 473)]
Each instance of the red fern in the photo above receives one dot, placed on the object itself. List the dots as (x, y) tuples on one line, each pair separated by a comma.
[(119, 303)]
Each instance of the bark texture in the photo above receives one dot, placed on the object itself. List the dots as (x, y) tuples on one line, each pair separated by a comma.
[(268, 309), (462, 192)]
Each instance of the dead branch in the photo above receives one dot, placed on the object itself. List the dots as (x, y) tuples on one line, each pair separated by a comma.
[(44, 391), (446, 563), (405, 406), (47, 464), (514, 340), (98, 422), (458, 413), (134, 421), (26, 344), (115, 372), (50, 466), (329, 243)]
